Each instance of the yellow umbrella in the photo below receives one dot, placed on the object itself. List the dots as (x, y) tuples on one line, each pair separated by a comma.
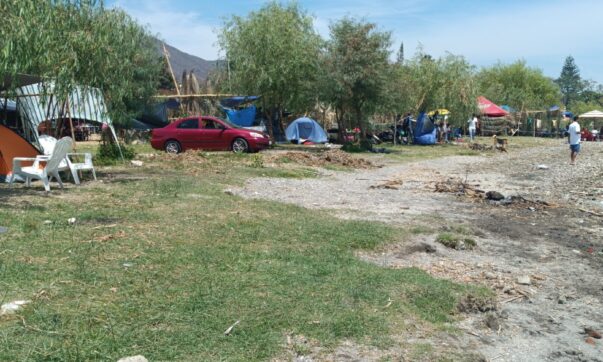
[(441, 112)]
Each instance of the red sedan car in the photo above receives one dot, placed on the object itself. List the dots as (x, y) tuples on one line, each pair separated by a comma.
[(207, 133)]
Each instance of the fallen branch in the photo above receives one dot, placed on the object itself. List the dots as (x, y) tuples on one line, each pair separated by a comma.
[(591, 212)]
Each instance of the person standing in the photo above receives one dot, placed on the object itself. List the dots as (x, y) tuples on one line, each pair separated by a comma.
[(472, 127), (574, 139)]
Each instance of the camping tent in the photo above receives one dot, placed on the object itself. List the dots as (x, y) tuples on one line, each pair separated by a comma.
[(424, 132), (489, 109), (306, 129), (37, 104), (11, 146)]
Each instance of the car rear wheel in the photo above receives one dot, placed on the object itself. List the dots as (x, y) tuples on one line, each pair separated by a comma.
[(240, 145), (172, 146)]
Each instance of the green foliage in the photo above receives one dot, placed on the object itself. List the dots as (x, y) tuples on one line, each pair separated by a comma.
[(80, 43), (423, 83), (272, 52), (569, 81), (108, 153), (354, 70), (518, 85)]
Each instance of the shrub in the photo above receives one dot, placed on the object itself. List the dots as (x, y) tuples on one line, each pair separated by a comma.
[(108, 154)]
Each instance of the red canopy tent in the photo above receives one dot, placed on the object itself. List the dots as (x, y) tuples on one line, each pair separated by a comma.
[(489, 109)]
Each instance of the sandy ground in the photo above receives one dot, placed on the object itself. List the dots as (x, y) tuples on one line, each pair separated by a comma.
[(553, 236)]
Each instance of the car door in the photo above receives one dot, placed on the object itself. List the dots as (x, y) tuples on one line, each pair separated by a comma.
[(189, 134), (214, 135)]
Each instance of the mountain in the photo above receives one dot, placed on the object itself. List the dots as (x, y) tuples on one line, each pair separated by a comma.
[(182, 61)]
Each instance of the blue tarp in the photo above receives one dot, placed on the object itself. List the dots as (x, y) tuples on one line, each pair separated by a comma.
[(241, 117), (233, 102), (554, 108), (508, 108), (11, 106), (307, 129), (424, 132)]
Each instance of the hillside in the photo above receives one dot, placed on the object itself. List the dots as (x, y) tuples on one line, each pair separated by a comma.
[(182, 61)]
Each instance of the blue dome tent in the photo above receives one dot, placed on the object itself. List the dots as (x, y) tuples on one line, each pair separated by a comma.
[(306, 129)]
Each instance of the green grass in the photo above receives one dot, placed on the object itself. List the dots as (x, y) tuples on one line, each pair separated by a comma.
[(161, 262)]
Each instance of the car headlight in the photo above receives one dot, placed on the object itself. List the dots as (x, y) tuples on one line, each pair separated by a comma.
[(256, 135)]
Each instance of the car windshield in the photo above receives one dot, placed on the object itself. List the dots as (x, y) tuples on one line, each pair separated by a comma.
[(230, 124)]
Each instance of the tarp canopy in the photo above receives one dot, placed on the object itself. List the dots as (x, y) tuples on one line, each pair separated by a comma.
[(241, 117), (237, 101), (508, 108), (592, 114), (11, 105), (19, 80), (489, 109), (306, 129), (37, 103)]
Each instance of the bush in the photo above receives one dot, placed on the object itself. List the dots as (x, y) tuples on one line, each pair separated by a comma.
[(362, 146), (108, 154)]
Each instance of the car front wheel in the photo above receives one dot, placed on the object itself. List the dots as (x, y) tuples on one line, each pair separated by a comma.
[(240, 145), (172, 147)]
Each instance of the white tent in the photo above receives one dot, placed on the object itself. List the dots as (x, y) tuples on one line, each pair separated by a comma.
[(592, 114), (37, 103)]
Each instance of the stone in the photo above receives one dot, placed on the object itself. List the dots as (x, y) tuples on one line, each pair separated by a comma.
[(589, 340), (592, 333), (494, 195), (490, 275), (136, 163), (138, 358), (562, 299), (229, 192), (71, 220), (524, 280)]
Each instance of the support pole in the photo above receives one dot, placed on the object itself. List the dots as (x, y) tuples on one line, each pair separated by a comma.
[(167, 59)]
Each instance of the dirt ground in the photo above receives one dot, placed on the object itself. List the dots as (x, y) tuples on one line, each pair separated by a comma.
[(540, 249)]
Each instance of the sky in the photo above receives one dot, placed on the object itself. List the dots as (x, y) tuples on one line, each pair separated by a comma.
[(541, 32)]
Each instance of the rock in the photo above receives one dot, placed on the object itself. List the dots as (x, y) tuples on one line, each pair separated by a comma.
[(524, 280), (47, 222), (494, 195), (138, 358), (589, 340), (490, 275), (543, 167), (592, 333), (562, 299), (229, 192), (492, 322), (136, 163), (507, 290), (71, 220)]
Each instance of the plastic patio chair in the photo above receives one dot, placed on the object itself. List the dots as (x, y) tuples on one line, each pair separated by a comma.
[(74, 167), (44, 167)]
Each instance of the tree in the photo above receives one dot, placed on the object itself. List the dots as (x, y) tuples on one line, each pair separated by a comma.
[(400, 57), (570, 82), (355, 68), (81, 43), (423, 83), (518, 85), (273, 52)]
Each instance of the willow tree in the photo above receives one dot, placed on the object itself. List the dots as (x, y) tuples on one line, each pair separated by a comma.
[(355, 69), (518, 85), (75, 42), (423, 83), (273, 52)]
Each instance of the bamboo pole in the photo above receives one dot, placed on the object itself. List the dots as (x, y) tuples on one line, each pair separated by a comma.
[(167, 58), (193, 96)]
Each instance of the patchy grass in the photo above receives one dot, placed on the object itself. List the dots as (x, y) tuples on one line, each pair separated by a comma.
[(455, 241), (160, 262)]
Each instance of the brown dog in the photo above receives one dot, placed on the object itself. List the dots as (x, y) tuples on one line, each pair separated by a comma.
[(500, 143)]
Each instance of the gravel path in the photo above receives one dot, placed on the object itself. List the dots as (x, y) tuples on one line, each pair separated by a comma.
[(560, 248)]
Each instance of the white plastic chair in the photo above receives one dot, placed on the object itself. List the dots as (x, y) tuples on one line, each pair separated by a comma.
[(74, 167), (43, 172)]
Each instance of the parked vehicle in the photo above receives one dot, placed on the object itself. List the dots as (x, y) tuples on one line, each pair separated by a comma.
[(588, 135), (207, 133)]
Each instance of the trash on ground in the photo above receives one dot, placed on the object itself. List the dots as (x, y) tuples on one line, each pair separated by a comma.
[(13, 307)]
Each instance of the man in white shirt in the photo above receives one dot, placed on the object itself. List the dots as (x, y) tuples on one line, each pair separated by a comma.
[(472, 126), (574, 139)]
